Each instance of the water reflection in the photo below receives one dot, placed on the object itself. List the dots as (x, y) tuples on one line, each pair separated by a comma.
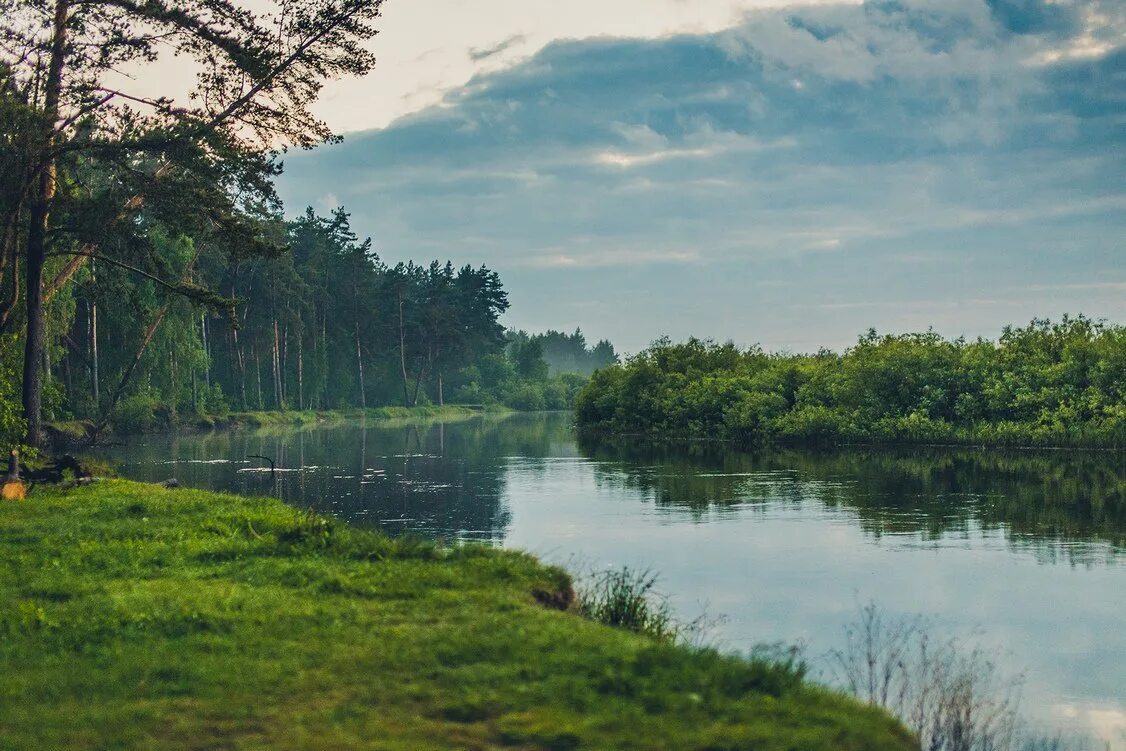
[(1025, 546), (448, 480), (437, 479), (1053, 502)]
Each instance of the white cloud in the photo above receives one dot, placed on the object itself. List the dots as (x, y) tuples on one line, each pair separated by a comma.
[(427, 47), (600, 258)]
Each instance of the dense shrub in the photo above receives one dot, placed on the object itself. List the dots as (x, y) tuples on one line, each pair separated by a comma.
[(528, 397), (11, 420), (141, 413), (1048, 383)]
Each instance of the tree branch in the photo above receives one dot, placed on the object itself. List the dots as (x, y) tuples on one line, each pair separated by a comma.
[(88, 254)]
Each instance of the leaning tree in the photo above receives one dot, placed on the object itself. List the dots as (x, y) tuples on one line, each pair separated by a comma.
[(80, 125)]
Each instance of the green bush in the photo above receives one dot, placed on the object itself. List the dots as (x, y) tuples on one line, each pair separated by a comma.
[(140, 413), (555, 396), (1048, 383), (529, 398), (12, 426)]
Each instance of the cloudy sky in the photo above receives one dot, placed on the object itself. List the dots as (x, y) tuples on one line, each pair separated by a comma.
[(765, 172)]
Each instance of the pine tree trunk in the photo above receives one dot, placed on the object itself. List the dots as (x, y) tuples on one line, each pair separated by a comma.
[(240, 361), (94, 376), (275, 362), (403, 357), (35, 344), (284, 368), (323, 361), (207, 354), (360, 368), (258, 372), (174, 397), (300, 373)]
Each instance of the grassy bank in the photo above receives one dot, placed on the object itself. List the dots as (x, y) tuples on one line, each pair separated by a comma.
[(135, 617), (311, 417), (78, 431)]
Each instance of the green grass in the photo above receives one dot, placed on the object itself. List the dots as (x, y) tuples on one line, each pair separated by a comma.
[(136, 617), (293, 417), (77, 431)]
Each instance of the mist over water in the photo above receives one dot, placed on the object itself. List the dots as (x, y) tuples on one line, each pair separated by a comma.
[(1020, 551)]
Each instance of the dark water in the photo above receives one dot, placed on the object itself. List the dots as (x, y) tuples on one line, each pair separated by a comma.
[(1023, 551)]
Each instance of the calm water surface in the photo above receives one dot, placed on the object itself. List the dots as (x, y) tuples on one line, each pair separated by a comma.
[(1022, 551)]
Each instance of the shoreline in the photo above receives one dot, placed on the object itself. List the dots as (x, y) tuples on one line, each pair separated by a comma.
[(887, 443), (77, 433)]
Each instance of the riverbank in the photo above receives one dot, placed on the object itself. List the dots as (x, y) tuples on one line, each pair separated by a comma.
[(1043, 386), (70, 432), (138, 617)]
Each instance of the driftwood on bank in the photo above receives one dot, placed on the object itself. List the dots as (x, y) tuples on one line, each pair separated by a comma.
[(273, 467), (54, 473)]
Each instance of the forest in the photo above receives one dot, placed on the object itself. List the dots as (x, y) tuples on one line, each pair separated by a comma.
[(1048, 383), (148, 270)]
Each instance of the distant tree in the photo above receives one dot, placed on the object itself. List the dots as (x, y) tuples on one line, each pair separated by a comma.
[(528, 358)]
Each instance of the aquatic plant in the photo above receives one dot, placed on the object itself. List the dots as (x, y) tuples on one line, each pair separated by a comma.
[(625, 598), (949, 693)]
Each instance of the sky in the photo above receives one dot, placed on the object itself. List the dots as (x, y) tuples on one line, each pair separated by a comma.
[(787, 175)]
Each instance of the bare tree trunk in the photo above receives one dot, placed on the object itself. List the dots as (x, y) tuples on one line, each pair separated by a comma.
[(240, 362), (360, 368), (275, 361), (323, 361), (417, 386), (403, 355), (67, 374), (284, 369), (95, 378), (300, 373), (207, 353), (174, 396), (436, 363), (35, 344), (258, 371)]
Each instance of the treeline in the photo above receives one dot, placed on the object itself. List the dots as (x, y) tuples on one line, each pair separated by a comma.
[(1048, 384), (564, 353), (322, 324)]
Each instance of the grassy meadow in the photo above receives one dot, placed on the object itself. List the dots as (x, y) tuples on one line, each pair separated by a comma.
[(134, 617)]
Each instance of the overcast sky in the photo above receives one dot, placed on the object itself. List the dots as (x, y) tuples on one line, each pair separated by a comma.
[(782, 174)]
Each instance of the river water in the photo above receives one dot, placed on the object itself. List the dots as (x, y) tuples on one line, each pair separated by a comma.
[(1020, 553)]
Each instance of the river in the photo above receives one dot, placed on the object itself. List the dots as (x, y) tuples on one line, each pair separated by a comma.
[(1020, 553)]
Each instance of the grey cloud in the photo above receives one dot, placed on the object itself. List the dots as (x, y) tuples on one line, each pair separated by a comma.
[(809, 146), (477, 54)]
